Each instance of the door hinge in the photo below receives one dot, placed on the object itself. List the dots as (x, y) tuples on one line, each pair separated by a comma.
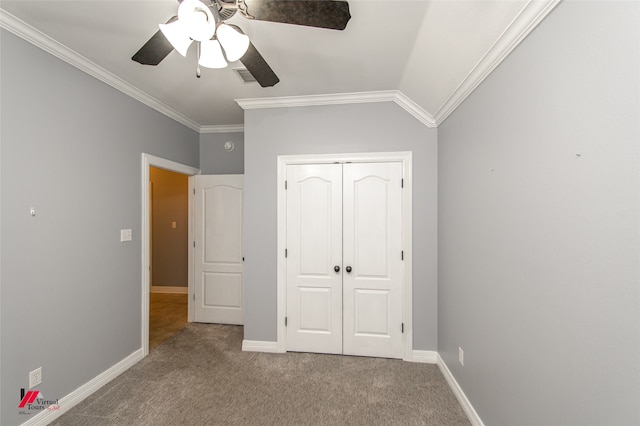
[(194, 191), (402, 255), (285, 321), (403, 328), (194, 244), (285, 184), (402, 183), (286, 252), (194, 297)]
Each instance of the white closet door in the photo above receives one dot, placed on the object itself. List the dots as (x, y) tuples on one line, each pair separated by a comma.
[(344, 259), (218, 249), (372, 249), (314, 249)]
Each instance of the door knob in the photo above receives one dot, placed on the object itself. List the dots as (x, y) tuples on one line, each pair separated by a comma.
[(348, 268), (336, 268)]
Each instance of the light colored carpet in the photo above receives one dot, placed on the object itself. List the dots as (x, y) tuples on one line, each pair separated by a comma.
[(200, 376)]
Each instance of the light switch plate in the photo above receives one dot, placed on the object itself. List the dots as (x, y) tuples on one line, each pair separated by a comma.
[(125, 235)]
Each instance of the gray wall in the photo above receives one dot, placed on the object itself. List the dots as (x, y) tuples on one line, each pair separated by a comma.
[(539, 248), (71, 147), (169, 246), (215, 160), (380, 127)]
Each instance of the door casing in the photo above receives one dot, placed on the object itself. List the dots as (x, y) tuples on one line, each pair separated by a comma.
[(405, 157), (161, 163)]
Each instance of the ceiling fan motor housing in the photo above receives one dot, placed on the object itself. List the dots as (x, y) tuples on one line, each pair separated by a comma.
[(226, 8)]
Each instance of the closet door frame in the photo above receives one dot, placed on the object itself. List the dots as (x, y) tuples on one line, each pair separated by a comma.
[(404, 157)]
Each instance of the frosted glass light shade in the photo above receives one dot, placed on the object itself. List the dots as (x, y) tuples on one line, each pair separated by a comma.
[(177, 35), (235, 43), (198, 20), (211, 55)]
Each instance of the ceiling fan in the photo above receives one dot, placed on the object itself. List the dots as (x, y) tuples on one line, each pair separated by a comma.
[(203, 22)]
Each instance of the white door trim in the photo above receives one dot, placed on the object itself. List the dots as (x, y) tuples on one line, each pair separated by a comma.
[(148, 161), (406, 158)]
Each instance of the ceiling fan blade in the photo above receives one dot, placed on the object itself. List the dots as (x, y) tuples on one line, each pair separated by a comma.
[(258, 67), (154, 50), (331, 14)]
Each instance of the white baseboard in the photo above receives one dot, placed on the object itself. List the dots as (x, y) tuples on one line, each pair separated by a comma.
[(457, 391), (427, 357), (69, 401), (168, 289), (260, 346)]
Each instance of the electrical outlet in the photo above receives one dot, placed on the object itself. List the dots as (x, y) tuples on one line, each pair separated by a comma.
[(35, 377), (461, 356)]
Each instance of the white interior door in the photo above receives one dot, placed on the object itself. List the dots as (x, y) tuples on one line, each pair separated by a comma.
[(344, 259), (218, 249), (314, 249), (372, 252)]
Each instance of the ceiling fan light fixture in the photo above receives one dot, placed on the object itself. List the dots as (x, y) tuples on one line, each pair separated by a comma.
[(211, 55), (176, 34), (234, 42), (198, 19)]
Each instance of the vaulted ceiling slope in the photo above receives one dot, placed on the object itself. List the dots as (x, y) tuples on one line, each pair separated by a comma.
[(426, 55)]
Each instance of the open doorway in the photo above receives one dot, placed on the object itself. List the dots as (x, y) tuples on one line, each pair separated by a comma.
[(162, 279), (169, 253)]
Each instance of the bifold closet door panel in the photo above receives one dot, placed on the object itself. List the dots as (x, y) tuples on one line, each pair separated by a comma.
[(372, 251), (314, 249)]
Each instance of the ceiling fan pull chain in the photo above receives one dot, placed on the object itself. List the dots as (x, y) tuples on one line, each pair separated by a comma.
[(198, 62)]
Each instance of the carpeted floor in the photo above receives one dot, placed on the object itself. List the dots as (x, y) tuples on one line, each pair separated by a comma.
[(200, 376)]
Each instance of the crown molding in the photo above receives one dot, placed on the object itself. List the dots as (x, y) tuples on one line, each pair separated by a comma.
[(414, 109), (224, 128), (528, 19), (314, 100), (57, 49), (341, 98)]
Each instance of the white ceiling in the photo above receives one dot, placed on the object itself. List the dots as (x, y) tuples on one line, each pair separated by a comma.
[(426, 49)]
